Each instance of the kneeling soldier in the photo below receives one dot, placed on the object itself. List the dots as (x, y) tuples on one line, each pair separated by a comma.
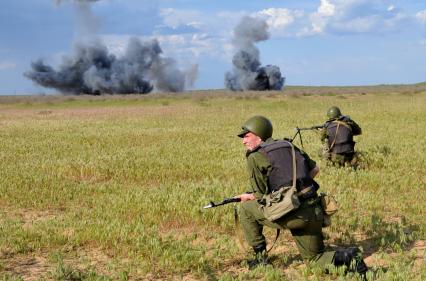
[(270, 166), (337, 135)]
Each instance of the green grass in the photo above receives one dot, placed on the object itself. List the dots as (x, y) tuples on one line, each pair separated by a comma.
[(112, 188)]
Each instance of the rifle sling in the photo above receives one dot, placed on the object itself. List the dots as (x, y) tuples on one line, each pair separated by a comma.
[(304, 191), (335, 136), (240, 240)]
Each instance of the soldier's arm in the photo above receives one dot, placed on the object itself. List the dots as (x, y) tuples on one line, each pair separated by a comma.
[(313, 172), (258, 166), (356, 129), (312, 165), (323, 133)]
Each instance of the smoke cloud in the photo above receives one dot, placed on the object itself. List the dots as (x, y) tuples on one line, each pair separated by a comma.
[(247, 73), (93, 70)]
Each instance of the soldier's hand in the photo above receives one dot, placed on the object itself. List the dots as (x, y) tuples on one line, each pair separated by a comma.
[(246, 197)]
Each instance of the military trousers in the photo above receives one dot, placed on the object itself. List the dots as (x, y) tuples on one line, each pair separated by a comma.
[(340, 159), (305, 225)]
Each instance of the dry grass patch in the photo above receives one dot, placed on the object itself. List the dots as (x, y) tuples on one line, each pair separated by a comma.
[(28, 267)]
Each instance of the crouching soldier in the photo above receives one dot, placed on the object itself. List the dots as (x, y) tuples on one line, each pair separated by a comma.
[(273, 165), (337, 136)]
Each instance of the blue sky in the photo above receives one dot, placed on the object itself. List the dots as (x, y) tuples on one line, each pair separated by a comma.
[(324, 42)]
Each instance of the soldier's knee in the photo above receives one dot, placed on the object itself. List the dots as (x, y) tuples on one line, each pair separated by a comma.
[(244, 207), (246, 210)]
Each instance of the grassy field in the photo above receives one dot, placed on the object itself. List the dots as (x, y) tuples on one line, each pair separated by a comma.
[(112, 188)]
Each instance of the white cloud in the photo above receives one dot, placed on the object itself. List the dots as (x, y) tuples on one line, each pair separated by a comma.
[(326, 9), (215, 24), (319, 20), (355, 16), (279, 18), (281, 22), (190, 46), (4, 65), (210, 35), (421, 16), (175, 18)]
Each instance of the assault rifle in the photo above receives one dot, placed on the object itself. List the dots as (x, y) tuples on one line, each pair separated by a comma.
[(318, 127), (224, 202), (297, 129)]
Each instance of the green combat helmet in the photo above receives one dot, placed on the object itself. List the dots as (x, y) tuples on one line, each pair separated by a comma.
[(334, 112), (259, 125)]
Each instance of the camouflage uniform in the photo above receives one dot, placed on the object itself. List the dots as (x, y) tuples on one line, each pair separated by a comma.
[(337, 136), (305, 223)]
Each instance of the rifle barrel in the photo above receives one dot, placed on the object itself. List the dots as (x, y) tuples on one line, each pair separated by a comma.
[(224, 202), (310, 128)]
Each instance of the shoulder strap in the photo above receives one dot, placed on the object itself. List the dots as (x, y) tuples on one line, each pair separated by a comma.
[(335, 135), (343, 124), (293, 154)]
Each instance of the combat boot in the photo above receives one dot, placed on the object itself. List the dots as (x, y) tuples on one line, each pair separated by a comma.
[(352, 259), (260, 257)]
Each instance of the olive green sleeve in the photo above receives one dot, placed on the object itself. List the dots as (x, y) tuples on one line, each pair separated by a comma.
[(356, 129), (258, 168), (323, 134)]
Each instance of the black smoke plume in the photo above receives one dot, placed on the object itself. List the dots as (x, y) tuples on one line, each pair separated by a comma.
[(93, 70), (248, 74)]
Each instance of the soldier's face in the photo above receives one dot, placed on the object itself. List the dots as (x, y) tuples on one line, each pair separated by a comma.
[(251, 141)]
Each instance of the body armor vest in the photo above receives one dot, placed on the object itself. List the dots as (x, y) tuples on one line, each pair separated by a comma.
[(280, 156), (340, 137)]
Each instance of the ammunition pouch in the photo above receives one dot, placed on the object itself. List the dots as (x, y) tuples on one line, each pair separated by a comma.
[(329, 206), (280, 202), (286, 199)]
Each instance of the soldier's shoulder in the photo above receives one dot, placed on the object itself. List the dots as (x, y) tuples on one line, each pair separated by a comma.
[(254, 154), (346, 118), (328, 122), (257, 158)]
